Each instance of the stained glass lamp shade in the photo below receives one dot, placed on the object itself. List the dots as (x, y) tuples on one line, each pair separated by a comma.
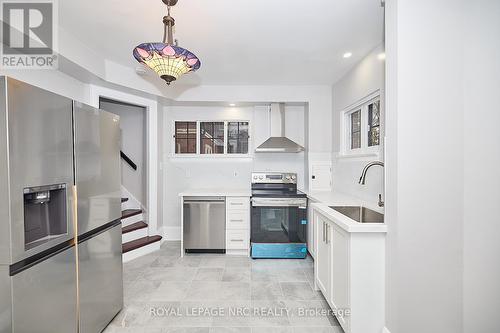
[(168, 61)]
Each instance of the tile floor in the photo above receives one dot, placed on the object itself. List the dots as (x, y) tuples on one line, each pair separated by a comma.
[(205, 293)]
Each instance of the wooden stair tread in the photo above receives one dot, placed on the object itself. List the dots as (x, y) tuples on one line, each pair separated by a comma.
[(130, 212), (124, 200), (134, 226), (140, 242)]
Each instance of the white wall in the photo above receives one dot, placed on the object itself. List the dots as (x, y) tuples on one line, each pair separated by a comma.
[(182, 173), (364, 79), (481, 164), (55, 81), (426, 255), (442, 161), (133, 144)]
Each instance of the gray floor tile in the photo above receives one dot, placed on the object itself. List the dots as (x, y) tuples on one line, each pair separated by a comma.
[(176, 262), (238, 261), (170, 274), (171, 291), (209, 281), (299, 291), (213, 261), (209, 274), (186, 330), (140, 291), (204, 291), (310, 313), (230, 330), (236, 274), (266, 291)]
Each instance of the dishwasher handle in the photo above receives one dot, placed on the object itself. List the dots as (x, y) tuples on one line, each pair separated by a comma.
[(215, 200)]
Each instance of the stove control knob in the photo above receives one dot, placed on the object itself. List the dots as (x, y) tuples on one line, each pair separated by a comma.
[(293, 177), (261, 177), (287, 177)]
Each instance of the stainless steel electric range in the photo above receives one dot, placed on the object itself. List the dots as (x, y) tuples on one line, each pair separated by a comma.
[(279, 216)]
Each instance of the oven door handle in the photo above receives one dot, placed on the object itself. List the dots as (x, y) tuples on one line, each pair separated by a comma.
[(259, 202)]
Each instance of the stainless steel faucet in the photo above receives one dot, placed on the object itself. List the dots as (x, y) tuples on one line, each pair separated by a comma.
[(362, 179)]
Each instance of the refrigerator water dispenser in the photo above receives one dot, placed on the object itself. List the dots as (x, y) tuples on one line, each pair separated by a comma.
[(45, 214)]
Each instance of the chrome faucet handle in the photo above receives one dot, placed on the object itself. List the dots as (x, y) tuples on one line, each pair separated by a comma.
[(380, 202)]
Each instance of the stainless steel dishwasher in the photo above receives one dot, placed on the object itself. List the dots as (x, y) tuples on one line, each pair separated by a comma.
[(205, 224)]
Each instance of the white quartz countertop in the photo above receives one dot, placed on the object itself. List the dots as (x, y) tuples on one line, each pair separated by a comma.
[(322, 200), (219, 192)]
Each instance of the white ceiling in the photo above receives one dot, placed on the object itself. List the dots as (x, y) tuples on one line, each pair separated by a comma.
[(254, 42)]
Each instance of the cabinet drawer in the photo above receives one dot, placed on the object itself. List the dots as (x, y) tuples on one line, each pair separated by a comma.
[(237, 239), (242, 203), (238, 219)]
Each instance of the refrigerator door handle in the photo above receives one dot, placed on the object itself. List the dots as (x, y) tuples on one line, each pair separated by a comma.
[(97, 231)]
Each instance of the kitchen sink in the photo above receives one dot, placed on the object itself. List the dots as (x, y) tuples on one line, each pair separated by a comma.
[(360, 214)]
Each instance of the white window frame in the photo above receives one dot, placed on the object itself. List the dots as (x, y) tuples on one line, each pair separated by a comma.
[(198, 126), (345, 119)]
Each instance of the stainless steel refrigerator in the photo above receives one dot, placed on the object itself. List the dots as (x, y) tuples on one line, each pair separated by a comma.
[(49, 144), (98, 179)]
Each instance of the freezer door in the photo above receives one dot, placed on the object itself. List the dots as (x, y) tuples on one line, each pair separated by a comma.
[(44, 295), (40, 153), (97, 159), (100, 276)]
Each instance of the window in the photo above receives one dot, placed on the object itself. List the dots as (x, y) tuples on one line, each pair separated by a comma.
[(237, 138), (212, 137), (374, 124), (362, 127), (356, 129), (185, 137)]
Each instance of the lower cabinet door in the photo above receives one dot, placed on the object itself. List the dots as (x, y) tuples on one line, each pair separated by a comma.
[(237, 239), (323, 256), (101, 281), (340, 273)]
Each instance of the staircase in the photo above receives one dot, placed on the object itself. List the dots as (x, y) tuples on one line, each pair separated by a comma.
[(136, 241)]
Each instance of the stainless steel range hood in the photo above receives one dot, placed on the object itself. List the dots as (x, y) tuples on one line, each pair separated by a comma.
[(278, 142)]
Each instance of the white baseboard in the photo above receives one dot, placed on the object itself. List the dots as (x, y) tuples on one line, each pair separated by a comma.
[(171, 233), (386, 330)]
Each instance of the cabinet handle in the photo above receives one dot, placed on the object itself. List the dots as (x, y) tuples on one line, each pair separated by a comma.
[(324, 231), (236, 240), (327, 230), (236, 204), (236, 220)]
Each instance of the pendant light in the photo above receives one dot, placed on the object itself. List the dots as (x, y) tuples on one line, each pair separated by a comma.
[(167, 59)]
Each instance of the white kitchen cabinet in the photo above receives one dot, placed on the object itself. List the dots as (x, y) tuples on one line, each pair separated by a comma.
[(340, 271), (349, 270), (311, 232), (323, 255), (238, 226)]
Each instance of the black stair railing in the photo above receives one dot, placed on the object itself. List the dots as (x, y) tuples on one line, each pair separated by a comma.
[(128, 160)]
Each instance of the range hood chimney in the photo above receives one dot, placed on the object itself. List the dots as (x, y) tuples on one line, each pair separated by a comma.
[(278, 142)]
